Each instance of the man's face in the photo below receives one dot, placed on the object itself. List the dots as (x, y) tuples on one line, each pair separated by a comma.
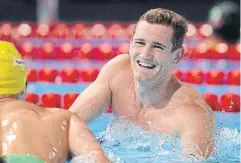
[(150, 51)]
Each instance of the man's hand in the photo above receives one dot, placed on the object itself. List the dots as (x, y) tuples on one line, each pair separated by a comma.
[(82, 141)]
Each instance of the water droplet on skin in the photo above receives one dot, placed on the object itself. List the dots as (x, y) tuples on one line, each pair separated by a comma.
[(64, 122), (5, 122), (72, 121), (5, 147), (55, 149), (60, 144), (63, 127), (149, 123), (51, 155), (14, 126), (11, 136)]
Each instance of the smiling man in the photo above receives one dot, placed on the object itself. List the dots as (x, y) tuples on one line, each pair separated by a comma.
[(141, 87)]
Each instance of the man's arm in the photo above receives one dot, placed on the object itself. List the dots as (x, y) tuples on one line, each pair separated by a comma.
[(82, 141), (198, 132), (94, 99)]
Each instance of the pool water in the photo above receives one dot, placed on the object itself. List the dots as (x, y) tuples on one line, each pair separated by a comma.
[(126, 142)]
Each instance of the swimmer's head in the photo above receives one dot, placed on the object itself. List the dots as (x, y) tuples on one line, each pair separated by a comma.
[(13, 73), (166, 17), (157, 44)]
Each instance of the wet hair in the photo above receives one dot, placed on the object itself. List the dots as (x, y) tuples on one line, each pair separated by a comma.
[(169, 18)]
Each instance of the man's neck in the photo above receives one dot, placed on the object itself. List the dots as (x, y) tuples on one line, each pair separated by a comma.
[(156, 94)]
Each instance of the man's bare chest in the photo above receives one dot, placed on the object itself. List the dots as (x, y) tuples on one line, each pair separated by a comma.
[(155, 119)]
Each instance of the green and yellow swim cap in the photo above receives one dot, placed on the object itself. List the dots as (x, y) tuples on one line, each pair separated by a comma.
[(13, 73)]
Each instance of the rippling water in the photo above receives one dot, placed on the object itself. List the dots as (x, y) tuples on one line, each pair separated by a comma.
[(125, 142)]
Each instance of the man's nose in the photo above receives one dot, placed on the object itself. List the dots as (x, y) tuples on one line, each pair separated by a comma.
[(147, 52)]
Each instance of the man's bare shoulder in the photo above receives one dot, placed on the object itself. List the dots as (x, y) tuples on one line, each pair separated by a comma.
[(194, 112), (42, 111), (190, 91), (18, 105), (121, 59), (60, 111), (192, 101), (115, 65)]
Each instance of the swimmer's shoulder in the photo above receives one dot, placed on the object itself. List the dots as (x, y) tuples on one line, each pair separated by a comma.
[(42, 110), (19, 106), (65, 114), (121, 59), (193, 100), (193, 109), (118, 62), (23, 107), (115, 66), (191, 92), (60, 111)]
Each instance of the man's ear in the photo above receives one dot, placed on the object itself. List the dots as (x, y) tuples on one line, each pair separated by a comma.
[(178, 54)]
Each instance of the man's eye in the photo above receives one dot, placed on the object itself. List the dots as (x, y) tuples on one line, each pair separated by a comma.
[(140, 43), (158, 47)]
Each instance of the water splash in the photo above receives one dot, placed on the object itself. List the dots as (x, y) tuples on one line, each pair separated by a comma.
[(83, 159), (131, 143)]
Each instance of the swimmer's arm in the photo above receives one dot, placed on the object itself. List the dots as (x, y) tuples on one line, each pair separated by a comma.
[(198, 134), (82, 141), (97, 97), (94, 99)]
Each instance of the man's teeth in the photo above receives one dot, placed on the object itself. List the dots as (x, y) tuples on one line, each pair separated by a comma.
[(146, 65)]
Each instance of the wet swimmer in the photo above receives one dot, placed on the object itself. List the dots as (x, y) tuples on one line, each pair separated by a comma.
[(32, 134), (141, 87)]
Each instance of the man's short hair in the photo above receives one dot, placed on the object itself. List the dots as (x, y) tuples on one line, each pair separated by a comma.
[(169, 18)]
